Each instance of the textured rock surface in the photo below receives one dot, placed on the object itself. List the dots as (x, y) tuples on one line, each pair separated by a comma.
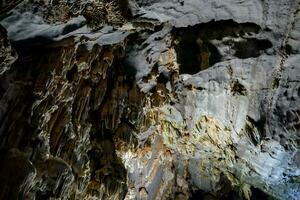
[(150, 99)]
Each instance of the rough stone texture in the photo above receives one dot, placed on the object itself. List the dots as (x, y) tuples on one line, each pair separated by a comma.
[(7, 56), (150, 99)]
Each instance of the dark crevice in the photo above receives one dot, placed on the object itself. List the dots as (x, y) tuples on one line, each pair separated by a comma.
[(288, 49), (238, 89), (163, 78), (259, 124), (258, 194), (232, 194), (128, 67), (227, 192), (200, 194), (251, 48), (2, 91), (72, 73), (194, 55), (197, 50)]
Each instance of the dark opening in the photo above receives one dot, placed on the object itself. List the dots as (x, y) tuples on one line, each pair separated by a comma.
[(219, 29), (288, 49), (72, 73), (2, 91), (194, 54), (258, 194), (215, 55), (251, 48), (232, 194), (195, 51), (188, 55), (199, 195), (124, 7), (163, 78), (202, 195)]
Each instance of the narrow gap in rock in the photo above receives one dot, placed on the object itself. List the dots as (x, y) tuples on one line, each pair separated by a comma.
[(71, 73), (2, 91), (288, 49)]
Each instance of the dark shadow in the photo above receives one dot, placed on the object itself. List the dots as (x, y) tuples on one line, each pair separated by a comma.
[(251, 48), (195, 51), (194, 54), (72, 73), (257, 194)]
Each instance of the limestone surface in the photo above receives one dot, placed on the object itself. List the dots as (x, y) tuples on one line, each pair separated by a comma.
[(150, 99)]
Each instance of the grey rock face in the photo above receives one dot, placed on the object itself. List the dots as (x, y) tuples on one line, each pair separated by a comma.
[(160, 99), (8, 56)]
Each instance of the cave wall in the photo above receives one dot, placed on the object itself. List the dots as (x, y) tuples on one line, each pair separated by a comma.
[(140, 99)]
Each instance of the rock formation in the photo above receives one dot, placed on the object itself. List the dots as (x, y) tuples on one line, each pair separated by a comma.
[(150, 99)]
